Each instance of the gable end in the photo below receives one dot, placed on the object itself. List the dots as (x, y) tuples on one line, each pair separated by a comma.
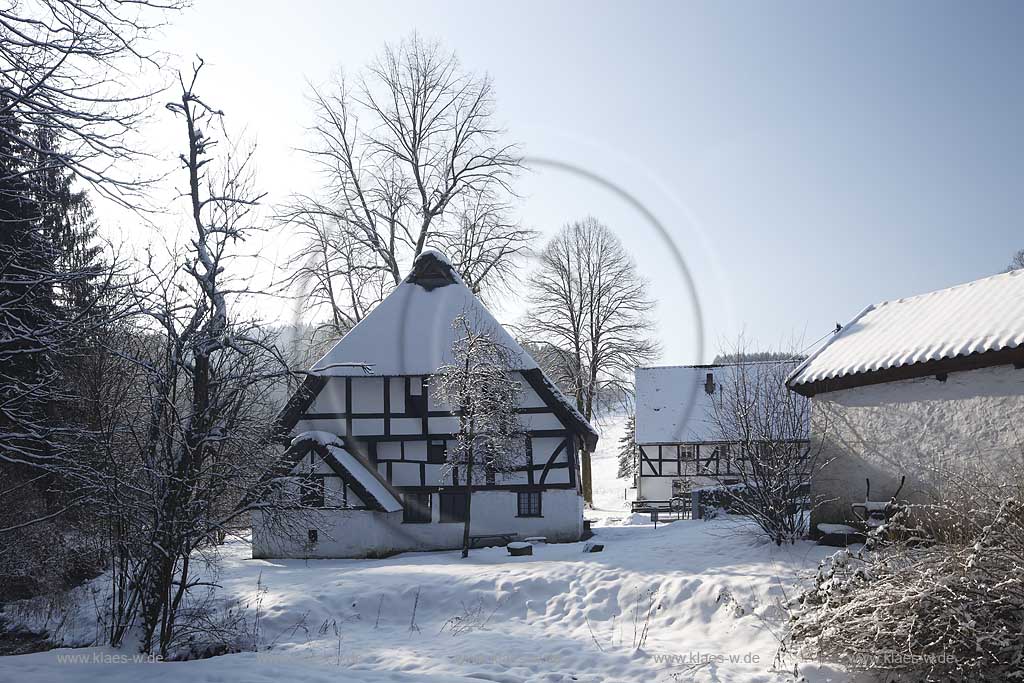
[(558, 403), (298, 404)]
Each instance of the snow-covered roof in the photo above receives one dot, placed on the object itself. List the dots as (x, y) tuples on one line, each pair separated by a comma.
[(368, 483), (367, 477), (973, 318), (410, 332), (673, 405)]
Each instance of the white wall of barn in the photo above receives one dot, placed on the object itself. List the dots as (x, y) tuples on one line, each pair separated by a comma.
[(925, 429), (360, 533)]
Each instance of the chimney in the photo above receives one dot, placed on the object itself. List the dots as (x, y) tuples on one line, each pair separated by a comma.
[(709, 383)]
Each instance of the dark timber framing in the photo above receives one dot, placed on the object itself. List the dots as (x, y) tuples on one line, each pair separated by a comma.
[(703, 459), (576, 434), (692, 459)]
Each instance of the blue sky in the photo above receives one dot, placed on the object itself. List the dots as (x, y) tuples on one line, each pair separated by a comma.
[(807, 159)]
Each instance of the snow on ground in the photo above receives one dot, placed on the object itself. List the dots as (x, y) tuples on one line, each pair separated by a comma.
[(688, 601), (609, 491)]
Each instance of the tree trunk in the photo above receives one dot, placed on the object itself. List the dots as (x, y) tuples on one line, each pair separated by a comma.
[(585, 477), (469, 498)]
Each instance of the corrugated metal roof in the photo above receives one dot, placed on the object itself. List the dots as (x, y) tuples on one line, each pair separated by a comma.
[(975, 317)]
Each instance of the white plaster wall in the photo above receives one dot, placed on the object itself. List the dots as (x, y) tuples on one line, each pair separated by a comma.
[(366, 426), (443, 425), (358, 533), (406, 425), (540, 421), (514, 478), (528, 398), (660, 488), (334, 486), (368, 395), (331, 398), (655, 488), (925, 429), (405, 473)]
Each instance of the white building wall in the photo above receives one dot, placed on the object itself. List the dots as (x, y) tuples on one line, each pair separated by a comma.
[(654, 488), (331, 398), (921, 428), (359, 533), (528, 398), (351, 533), (660, 488), (368, 395)]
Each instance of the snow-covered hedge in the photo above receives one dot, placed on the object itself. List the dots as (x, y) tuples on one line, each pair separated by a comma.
[(943, 611)]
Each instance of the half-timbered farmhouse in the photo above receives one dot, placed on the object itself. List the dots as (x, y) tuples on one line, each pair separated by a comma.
[(680, 445), (369, 445), (928, 390)]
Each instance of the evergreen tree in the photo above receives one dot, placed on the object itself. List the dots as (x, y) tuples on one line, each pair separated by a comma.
[(27, 339), (49, 275), (627, 450), (49, 266)]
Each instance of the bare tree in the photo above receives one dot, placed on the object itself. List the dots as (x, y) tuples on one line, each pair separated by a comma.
[(56, 293), (67, 113), (481, 389), (333, 272), (68, 109), (192, 449), (589, 302), (484, 244), (764, 430), (410, 157), (65, 66)]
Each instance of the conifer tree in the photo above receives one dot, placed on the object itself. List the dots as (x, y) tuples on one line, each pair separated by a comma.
[(627, 450)]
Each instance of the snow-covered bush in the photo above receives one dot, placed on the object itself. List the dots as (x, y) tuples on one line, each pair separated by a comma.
[(762, 430), (945, 605), (724, 497)]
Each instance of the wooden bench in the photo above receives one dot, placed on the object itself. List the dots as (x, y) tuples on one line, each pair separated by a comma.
[(499, 539)]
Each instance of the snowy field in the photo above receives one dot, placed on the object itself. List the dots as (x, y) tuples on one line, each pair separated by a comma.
[(609, 492), (688, 601)]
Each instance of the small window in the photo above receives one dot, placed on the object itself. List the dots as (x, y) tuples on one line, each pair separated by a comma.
[(417, 508), (437, 452), (453, 506), (529, 504), (313, 536), (313, 492)]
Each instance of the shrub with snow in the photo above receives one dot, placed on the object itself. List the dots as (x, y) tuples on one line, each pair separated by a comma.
[(941, 606)]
